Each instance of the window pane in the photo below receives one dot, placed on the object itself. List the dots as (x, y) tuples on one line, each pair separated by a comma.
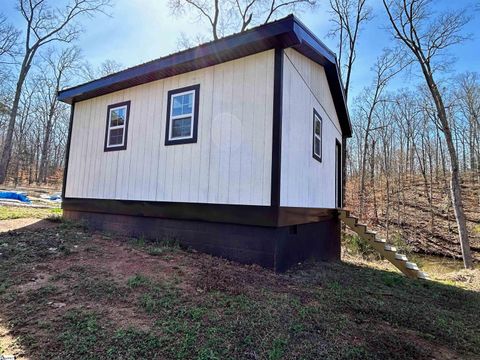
[(117, 116), (182, 104), (318, 126), (187, 103), (181, 127), (317, 146), (116, 137), (177, 106)]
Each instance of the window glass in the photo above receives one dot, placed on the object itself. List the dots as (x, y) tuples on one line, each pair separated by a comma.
[(317, 136), (182, 104), (117, 116), (181, 127), (318, 126), (182, 115), (317, 146), (116, 135)]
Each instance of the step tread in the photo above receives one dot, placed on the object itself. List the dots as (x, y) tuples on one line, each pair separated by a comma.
[(389, 247), (422, 275), (411, 265), (401, 257)]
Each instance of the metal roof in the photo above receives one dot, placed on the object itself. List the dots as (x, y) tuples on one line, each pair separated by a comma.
[(283, 33)]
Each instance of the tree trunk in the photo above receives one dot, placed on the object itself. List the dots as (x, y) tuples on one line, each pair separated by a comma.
[(42, 177), (455, 184), (8, 144)]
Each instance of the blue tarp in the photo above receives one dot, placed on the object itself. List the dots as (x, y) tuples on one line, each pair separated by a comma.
[(14, 196), (55, 197)]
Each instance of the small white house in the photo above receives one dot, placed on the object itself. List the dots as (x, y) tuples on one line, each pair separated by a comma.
[(233, 147)]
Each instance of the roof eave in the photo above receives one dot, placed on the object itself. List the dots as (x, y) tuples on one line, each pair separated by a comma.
[(277, 34), (284, 33)]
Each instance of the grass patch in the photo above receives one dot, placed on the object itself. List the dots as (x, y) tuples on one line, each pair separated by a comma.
[(80, 335), (356, 245), (100, 288), (17, 212), (164, 246), (476, 229), (159, 299), (133, 344), (213, 309), (138, 281)]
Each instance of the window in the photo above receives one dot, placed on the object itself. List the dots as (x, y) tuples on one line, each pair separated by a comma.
[(117, 126), (182, 115), (317, 136)]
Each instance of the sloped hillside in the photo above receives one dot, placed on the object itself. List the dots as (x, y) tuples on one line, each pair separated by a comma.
[(406, 214)]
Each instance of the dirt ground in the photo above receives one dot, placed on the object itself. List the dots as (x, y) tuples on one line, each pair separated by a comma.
[(14, 224), (68, 293)]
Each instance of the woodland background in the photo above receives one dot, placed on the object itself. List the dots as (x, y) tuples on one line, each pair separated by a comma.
[(415, 150)]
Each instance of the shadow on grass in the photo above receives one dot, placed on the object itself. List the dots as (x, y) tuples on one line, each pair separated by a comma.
[(317, 310)]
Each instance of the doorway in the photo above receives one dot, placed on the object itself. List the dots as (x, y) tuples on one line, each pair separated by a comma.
[(338, 174)]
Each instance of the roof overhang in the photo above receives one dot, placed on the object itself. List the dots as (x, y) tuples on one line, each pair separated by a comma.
[(283, 33)]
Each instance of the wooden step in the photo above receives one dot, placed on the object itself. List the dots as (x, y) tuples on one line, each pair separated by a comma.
[(422, 275), (360, 229), (350, 222), (401, 257), (370, 235), (389, 247), (400, 261), (411, 265)]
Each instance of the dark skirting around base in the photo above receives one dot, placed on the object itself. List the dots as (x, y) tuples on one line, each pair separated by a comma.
[(275, 248)]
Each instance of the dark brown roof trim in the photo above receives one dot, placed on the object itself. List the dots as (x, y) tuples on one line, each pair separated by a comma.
[(283, 33)]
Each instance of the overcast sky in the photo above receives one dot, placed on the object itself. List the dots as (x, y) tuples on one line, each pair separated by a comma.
[(142, 30)]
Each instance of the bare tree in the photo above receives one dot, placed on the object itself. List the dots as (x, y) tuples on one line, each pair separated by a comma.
[(52, 79), (468, 101), (8, 37), (108, 67), (348, 17), (43, 25), (185, 42), (88, 72), (426, 37), (388, 65), (235, 15), (205, 10)]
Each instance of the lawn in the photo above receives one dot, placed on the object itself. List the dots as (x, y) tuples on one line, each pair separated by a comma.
[(10, 212), (68, 293)]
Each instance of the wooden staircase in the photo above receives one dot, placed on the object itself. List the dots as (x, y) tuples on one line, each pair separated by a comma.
[(388, 251)]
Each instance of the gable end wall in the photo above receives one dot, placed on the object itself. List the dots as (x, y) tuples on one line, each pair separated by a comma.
[(306, 182)]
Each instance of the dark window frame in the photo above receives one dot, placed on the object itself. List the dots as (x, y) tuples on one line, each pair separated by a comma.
[(170, 94), (338, 174), (314, 155), (107, 129)]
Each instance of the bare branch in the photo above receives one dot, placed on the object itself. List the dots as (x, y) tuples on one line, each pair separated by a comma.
[(229, 16), (8, 37), (348, 17)]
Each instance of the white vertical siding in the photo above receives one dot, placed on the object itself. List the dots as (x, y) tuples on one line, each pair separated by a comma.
[(305, 182), (229, 164)]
